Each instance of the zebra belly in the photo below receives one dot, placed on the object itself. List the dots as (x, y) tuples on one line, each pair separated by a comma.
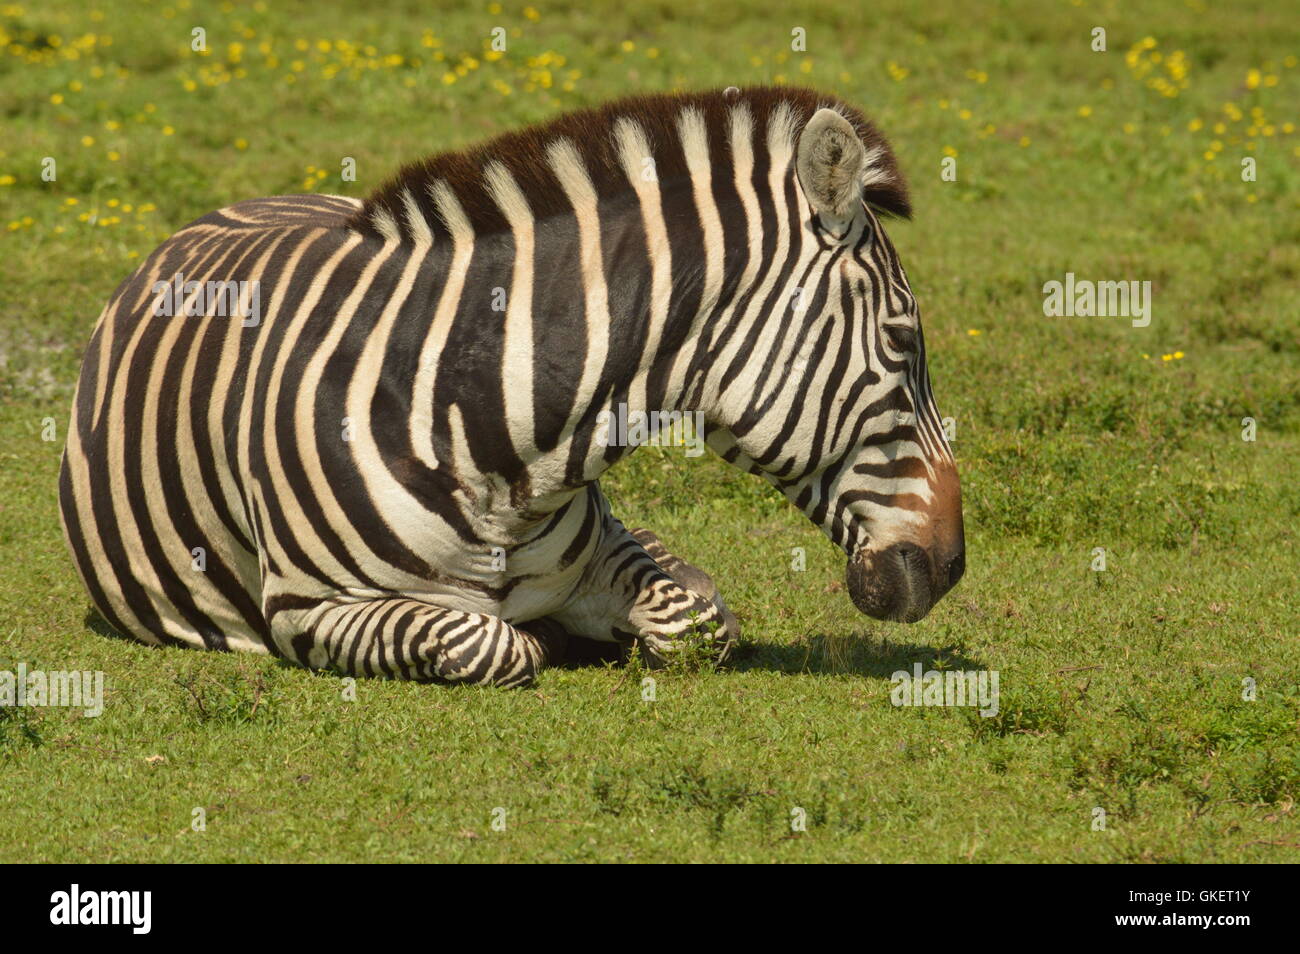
[(519, 582)]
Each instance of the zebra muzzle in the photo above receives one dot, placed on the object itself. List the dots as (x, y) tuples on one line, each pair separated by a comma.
[(896, 583)]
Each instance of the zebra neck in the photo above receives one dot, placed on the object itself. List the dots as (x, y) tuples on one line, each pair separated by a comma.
[(597, 341)]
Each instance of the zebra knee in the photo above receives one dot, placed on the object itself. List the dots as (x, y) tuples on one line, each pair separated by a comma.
[(687, 575)]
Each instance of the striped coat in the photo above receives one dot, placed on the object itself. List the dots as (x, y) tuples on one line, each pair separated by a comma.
[(367, 435)]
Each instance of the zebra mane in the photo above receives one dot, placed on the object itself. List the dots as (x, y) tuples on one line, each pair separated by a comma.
[(391, 208)]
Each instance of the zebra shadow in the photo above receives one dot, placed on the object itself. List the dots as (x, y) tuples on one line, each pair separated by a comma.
[(855, 654), (96, 623)]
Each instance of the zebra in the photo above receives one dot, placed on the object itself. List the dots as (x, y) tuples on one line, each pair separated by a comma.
[(392, 469)]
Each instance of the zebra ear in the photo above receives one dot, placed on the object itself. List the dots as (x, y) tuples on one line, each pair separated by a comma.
[(830, 164)]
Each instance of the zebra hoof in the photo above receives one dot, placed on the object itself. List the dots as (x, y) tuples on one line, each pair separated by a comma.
[(707, 643)]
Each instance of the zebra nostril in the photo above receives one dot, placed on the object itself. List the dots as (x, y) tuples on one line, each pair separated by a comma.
[(910, 554), (956, 567)]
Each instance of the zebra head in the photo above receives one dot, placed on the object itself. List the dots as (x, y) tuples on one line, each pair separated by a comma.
[(840, 415)]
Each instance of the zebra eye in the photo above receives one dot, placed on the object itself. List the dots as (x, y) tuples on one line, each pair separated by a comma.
[(901, 337)]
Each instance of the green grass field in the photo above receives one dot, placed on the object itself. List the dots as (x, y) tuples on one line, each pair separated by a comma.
[(1121, 690)]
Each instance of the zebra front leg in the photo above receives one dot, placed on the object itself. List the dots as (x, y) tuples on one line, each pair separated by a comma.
[(407, 639), (688, 575), (628, 596)]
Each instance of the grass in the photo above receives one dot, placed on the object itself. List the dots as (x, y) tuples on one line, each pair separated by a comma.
[(1121, 690)]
